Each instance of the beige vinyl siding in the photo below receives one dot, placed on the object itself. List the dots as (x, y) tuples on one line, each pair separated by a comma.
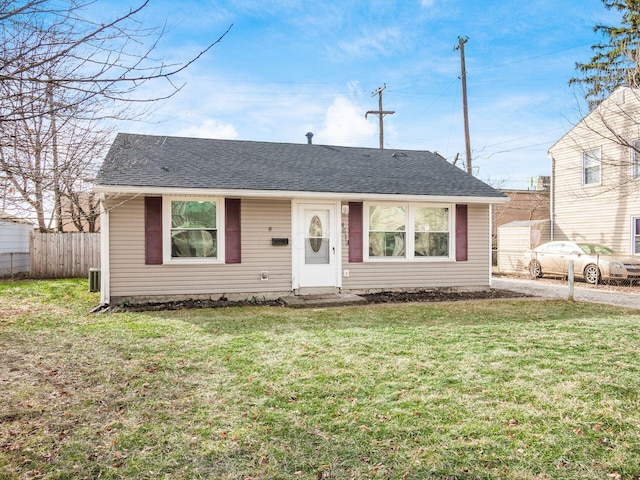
[(261, 220), (376, 275), (597, 213)]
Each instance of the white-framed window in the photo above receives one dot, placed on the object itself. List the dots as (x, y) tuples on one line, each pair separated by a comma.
[(635, 232), (408, 232), (432, 229), (592, 167), (635, 159), (192, 229), (387, 229)]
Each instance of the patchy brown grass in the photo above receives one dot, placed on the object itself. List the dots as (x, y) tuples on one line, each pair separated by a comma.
[(492, 389)]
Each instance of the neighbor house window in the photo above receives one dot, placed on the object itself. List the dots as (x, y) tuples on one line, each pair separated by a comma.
[(635, 159), (408, 231), (636, 236), (591, 167), (192, 229)]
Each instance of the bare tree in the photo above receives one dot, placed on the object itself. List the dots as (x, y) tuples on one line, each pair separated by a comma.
[(61, 75), (47, 161), (104, 61)]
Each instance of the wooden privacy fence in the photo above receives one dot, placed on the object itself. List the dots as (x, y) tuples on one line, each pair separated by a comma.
[(63, 255)]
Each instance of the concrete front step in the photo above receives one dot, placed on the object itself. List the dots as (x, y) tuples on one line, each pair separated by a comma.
[(322, 300)]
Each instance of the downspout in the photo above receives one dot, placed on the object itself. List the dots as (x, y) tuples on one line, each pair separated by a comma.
[(490, 243), (105, 294), (552, 187)]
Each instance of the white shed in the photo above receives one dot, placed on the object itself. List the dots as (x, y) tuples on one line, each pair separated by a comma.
[(515, 238), (14, 245)]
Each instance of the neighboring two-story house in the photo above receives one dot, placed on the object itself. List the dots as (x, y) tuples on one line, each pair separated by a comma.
[(595, 191)]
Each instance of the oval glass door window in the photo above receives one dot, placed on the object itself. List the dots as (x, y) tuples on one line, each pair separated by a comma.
[(315, 234)]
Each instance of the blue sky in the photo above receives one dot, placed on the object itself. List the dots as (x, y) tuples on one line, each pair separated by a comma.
[(288, 67)]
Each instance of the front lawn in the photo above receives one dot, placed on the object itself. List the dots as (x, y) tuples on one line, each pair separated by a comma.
[(517, 389)]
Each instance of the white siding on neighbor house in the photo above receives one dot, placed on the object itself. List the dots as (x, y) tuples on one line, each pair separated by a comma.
[(14, 237), (14, 247), (261, 220), (381, 275), (598, 213), (515, 238)]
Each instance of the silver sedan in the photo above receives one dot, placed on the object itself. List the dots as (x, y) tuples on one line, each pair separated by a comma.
[(591, 261)]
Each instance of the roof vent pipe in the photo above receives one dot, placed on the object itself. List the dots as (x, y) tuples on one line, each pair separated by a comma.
[(309, 136)]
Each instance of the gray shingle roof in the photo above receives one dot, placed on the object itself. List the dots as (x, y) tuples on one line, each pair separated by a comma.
[(160, 161)]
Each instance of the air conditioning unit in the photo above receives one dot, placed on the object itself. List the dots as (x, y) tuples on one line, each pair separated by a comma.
[(94, 279)]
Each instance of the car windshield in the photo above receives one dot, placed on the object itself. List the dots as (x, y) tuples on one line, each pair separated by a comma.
[(595, 249)]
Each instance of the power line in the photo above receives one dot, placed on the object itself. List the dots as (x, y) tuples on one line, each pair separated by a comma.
[(526, 59)]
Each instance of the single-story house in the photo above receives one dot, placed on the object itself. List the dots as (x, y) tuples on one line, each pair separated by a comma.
[(205, 219)]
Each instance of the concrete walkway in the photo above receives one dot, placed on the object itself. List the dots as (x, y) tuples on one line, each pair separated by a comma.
[(560, 290)]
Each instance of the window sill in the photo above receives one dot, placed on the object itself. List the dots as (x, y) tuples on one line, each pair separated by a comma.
[(193, 261), (408, 260)]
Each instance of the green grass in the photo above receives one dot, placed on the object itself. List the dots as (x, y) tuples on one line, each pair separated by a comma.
[(481, 390)]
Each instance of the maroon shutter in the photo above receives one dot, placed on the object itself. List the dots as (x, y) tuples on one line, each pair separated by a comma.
[(153, 230), (461, 233), (232, 230), (355, 232)]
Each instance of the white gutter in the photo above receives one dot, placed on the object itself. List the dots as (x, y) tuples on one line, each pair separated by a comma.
[(552, 206), (116, 190), (490, 243)]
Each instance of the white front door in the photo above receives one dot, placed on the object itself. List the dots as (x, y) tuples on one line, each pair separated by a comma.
[(317, 246)]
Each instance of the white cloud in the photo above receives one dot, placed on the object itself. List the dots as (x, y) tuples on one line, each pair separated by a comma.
[(375, 41), (345, 125), (210, 128)]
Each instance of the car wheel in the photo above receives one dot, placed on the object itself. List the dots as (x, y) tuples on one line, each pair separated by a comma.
[(592, 274), (535, 269)]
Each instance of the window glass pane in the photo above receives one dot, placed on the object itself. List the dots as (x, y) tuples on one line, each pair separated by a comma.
[(635, 159), (316, 251), (591, 166), (193, 243), (386, 244), (592, 175), (431, 232), (432, 244), (387, 225), (315, 234), (591, 158), (432, 219), (193, 229), (385, 219), (193, 215)]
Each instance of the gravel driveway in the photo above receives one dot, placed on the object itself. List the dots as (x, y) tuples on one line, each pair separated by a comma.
[(623, 297)]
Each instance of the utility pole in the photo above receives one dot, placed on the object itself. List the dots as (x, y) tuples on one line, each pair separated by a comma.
[(381, 113), (465, 110)]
